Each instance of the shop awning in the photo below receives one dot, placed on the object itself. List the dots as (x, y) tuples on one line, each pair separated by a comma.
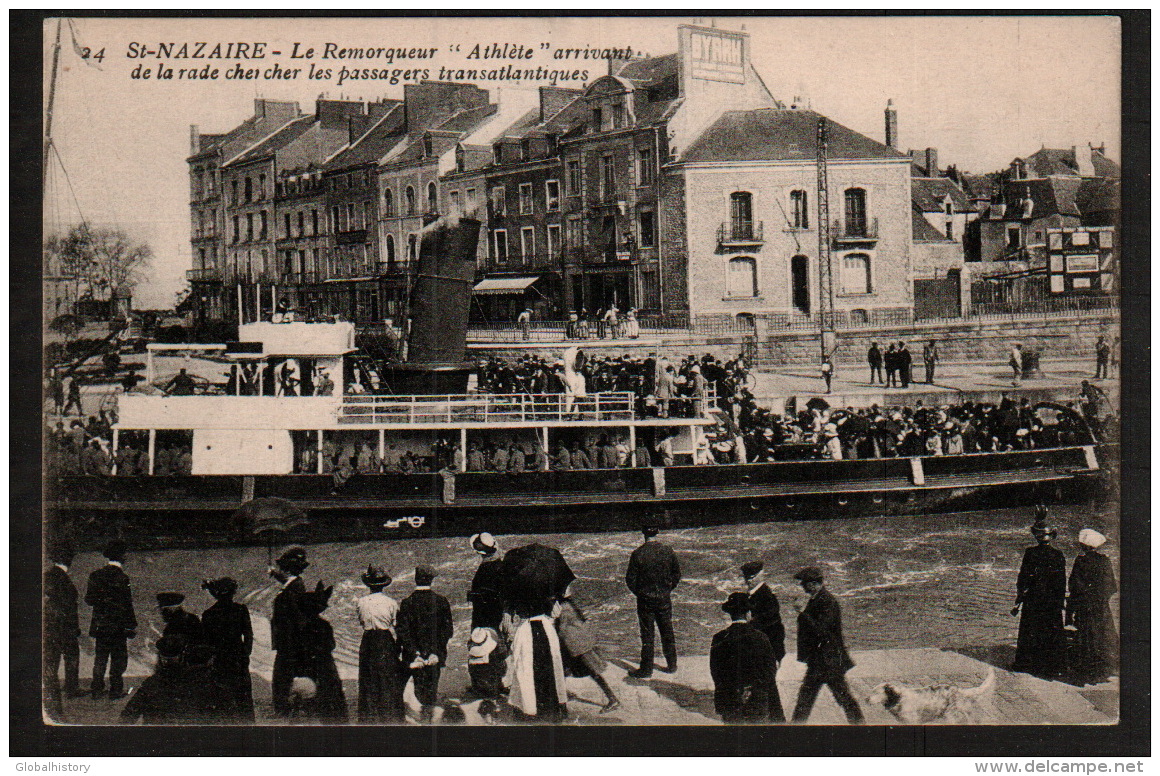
[(504, 285)]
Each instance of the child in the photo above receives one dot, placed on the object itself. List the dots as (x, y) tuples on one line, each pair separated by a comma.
[(486, 663), (579, 645)]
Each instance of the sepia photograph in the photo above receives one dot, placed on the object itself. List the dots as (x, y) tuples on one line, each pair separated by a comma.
[(448, 372)]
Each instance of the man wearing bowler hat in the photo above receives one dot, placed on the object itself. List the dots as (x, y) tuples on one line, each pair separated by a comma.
[(742, 666), (113, 623), (178, 622), (424, 628), (822, 649), (766, 617), (286, 622), (653, 572)]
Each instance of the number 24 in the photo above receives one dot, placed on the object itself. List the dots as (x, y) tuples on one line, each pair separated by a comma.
[(87, 53)]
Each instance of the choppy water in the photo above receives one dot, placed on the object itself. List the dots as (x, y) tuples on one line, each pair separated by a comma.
[(944, 581)]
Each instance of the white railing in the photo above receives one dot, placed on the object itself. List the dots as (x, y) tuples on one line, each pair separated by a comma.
[(487, 408)]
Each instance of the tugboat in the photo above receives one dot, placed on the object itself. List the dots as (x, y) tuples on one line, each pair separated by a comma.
[(295, 391)]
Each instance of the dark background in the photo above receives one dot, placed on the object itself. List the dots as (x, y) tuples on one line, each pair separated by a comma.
[(28, 736)]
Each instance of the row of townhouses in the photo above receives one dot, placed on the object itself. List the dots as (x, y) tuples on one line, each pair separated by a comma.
[(676, 185)]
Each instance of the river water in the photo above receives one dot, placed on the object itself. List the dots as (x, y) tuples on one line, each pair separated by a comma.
[(945, 581)]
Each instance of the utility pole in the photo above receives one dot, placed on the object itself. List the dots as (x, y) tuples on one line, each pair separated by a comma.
[(51, 100), (825, 263)]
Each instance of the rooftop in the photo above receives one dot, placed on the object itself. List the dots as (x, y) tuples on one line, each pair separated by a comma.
[(930, 194)]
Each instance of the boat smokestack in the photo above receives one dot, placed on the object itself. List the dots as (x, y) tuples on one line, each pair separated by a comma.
[(441, 298)]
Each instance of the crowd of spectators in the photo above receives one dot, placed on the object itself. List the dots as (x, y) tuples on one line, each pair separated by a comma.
[(86, 447)]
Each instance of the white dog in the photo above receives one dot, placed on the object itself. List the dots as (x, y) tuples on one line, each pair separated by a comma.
[(941, 703)]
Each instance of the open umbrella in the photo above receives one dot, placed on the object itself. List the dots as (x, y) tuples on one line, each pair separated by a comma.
[(269, 515), (533, 577), (817, 403)]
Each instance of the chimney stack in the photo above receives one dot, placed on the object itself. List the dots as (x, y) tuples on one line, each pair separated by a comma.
[(891, 125), (932, 162), (194, 139), (1083, 160)]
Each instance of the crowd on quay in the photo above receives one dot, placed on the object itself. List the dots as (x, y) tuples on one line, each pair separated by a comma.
[(521, 646)]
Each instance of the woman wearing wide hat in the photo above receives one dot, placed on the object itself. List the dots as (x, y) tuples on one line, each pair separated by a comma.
[(1092, 583), (1041, 589), (226, 627), (380, 684)]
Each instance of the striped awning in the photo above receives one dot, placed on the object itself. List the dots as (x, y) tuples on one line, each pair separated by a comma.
[(504, 285)]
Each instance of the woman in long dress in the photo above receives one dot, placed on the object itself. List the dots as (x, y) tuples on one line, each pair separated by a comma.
[(380, 687), (1092, 583), (536, 672), (1041, 589), (579, 646), (316, 662)]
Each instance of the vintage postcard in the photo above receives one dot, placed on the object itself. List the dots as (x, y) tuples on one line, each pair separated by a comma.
[(582, 371)]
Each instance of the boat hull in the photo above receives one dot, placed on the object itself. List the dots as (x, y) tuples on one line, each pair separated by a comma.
[(198, 510)]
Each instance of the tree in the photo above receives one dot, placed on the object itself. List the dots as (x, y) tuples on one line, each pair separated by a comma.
[(105, 261)]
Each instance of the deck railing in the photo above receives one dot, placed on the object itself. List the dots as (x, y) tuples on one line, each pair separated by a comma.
[(487, 408)]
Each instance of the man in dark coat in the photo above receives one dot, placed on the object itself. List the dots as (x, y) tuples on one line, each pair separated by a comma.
[(113, 622), (61, 627), (286, 625), (905, 363), (1092, 583), (653, 573), (874, 359), (163, 698), (742, 666), (486, 589), (227, 629), (178, 622), (424, 628), (822, 648), (766, 617), (890, 360), (1040, 592)]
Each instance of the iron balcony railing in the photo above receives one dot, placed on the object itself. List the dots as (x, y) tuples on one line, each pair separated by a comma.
[(203, 274), (741, 233), (856, 231), (486, 408)]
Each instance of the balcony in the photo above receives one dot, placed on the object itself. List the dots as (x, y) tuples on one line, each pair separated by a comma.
[(856, 232), (741, 234), (351, 237), (203, 275)]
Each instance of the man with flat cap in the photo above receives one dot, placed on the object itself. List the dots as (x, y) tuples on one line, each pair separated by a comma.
[(424, 628), (766, 617), (61, 626), (653, 573), (178, 622), (484, 594), (822, 648), (113, 623), (226, 628), (742, 666), (286, 623)]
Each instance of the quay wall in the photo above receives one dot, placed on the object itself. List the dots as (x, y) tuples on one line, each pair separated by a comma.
[(1073, 337)]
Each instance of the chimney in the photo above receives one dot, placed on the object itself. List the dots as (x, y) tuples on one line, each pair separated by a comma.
[(932, 162), (1083, 160), (891, 125), (194, 139)]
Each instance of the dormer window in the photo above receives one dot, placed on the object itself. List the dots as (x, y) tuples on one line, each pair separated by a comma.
[(597, 122), (459, 159), (497, 152), (525, 149), (617, 115), (428, 149)]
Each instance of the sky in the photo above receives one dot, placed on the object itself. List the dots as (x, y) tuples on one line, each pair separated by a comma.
[(982, 90)]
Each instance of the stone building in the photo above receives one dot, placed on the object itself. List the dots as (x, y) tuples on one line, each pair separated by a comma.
[(750, 213)]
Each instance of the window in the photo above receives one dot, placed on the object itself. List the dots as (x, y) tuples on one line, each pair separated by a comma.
[(388, 204), (574, 177), (233, 192), (261, 187), (334, 219), (607, 176), (950, 229), (412, 247), (1014, 237), (264, 226), (525, 149), (351, 217), (799, 210), (617, 115), (499, 245), (646, 227), (249, 227), (497, 201), (741, 215), (453, 196), (367, 215), (553, 241), (314, 223), (525, 199), (471, 201), (301, 223), (286, 224), (644, 167), (432, 198), (390, 249), (409, 197), (856, 274), (855, 212), (741, 278), (314, 264), (597, 123), (497, 153), (552, 195), (249, 189), (573, 231), (527, 243)]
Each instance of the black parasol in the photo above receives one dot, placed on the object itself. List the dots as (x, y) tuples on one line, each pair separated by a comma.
[(533, 577), (269, 515), (817, 403)]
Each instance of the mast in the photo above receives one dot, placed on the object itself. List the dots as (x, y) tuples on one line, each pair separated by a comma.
[(51, 99), (825, 265)]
